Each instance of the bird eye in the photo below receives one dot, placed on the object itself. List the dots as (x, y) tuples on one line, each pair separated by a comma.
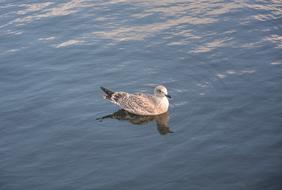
[(159, 91)]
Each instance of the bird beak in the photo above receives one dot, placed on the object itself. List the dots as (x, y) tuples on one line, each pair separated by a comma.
[(168, 96)]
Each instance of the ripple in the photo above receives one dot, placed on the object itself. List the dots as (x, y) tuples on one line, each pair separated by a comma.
[(127, 33), (276, 63), (44, 11), (207, 47), (69, 43), (34, 7), (233, 72), (275, 39)]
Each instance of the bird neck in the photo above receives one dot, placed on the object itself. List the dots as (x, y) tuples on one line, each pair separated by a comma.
[(163, 102)]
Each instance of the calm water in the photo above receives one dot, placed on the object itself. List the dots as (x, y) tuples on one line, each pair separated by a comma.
[(220, 60)]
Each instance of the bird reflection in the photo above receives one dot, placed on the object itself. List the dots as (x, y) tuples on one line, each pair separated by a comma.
[(161, 120)]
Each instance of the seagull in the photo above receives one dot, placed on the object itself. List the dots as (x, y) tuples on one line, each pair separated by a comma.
[(140, 103)]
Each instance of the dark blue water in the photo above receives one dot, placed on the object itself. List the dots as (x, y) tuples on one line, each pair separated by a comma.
[(220, 60)]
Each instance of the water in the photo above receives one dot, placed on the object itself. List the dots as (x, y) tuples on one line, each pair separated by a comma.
[(220, 60)]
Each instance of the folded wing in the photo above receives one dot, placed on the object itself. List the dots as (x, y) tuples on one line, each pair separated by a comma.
[(141, 104)]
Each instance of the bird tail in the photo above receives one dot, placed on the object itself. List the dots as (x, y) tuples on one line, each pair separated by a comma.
[(108, 92)]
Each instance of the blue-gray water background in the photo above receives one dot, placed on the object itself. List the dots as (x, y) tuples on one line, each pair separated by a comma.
[(220, 60)]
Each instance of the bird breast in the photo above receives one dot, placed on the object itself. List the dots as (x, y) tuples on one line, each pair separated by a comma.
[(163, 105)]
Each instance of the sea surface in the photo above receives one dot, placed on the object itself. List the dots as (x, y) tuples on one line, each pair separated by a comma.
[(220, 60)]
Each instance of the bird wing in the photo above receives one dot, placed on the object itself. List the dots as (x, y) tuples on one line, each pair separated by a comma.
[(141, 104)]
